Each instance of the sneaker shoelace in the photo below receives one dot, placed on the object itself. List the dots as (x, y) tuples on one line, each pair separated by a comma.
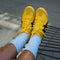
[(26, 25), (40, 25)]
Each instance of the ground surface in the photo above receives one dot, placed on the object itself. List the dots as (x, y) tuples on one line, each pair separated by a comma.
[(11, 11)]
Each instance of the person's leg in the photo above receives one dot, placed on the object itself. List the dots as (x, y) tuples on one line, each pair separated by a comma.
[(11, 50), (39, 29), (31, 49)]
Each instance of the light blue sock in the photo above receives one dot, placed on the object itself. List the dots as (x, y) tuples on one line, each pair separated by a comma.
[(33, 44), (20, 41)]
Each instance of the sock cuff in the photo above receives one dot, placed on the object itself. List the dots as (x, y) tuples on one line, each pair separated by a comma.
[(20, 41), (33, 44)]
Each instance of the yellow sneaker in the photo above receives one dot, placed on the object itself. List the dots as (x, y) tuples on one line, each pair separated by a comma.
[(27, 20), (41, 21)]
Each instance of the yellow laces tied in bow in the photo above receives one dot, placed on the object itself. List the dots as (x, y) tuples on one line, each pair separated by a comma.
[(26, 25), (38, 27)]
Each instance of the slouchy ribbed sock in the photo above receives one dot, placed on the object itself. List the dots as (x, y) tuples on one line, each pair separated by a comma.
[(20, 41), (33, 44)]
